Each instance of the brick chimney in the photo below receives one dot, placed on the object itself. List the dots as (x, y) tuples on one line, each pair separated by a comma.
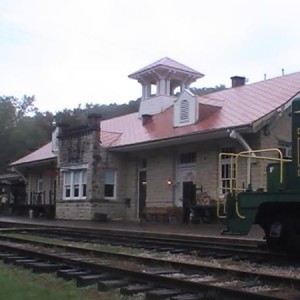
[(146, 118), (237, 81)]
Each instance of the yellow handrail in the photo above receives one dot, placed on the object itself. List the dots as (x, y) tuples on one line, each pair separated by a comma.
[(233, 179), (249, 154)]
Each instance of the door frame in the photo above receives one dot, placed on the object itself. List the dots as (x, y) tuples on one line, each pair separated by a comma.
[(140, 207), (183, 173)]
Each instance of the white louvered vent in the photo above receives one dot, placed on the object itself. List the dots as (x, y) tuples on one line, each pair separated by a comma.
[(184, 111)]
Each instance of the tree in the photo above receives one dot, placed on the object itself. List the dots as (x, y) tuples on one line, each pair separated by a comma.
[(205, 90), (22, 128)]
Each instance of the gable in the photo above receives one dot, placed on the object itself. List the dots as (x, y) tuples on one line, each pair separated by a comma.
[(186, 109)]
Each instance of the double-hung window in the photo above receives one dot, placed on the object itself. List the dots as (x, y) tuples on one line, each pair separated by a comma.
[(75, 184), (110, 178)]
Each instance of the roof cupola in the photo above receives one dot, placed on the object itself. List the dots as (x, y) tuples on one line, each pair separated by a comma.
[(160, 81)]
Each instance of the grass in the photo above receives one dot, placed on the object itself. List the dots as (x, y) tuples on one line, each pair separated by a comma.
[(19, 284)]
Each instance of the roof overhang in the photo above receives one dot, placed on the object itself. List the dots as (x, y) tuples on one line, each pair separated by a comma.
[(272, 116), (183, 139), (35, 163), (9, 179)]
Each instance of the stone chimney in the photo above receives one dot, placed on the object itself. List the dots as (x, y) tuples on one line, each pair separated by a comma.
[(237, 81), (94, 120)]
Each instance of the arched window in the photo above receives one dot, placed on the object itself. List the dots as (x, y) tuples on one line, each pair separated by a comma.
[(184, 111)]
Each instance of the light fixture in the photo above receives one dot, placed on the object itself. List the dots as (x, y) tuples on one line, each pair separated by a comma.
[(169, 182)]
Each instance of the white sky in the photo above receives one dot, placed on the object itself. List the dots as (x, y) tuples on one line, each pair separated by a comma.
[(67, 52)]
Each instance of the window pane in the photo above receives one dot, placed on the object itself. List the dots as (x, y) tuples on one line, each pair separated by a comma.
[(109, 177), (84, 190), (67, 178), (83, 176), (76, 190), (67, 191), (109, 190), (76, 178)]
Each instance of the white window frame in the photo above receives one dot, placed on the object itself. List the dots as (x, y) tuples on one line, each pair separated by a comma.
[(79, 185), (114, 183)]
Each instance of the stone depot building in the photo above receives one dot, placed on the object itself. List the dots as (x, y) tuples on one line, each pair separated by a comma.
[(166, 151)]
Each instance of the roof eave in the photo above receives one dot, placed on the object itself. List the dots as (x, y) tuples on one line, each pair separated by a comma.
[(34, 163), (183, 139), (260, 123)]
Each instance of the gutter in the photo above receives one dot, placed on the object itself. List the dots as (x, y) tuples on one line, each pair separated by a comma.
[(176, 140)]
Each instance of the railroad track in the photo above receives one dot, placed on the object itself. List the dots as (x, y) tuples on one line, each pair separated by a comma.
[(212, 247), (203, 246), (135, 238), (156, 278)]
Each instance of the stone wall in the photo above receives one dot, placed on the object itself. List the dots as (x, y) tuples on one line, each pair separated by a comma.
[(97, 159), (161, 166), (80, 147)]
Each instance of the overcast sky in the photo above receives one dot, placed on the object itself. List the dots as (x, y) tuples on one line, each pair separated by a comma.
[(67, 52)]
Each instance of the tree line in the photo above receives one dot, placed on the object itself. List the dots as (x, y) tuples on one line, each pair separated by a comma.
[(24, 128)]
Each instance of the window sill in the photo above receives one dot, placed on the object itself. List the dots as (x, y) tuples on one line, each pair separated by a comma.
[(72, 200)]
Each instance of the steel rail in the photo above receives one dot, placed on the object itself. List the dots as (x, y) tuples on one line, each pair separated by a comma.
[(158, 280)]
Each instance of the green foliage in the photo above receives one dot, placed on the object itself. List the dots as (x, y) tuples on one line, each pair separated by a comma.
[(205, 90), (22, 128), (107, 111)]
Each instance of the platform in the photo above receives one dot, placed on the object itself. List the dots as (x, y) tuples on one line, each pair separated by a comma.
[(214, 230)]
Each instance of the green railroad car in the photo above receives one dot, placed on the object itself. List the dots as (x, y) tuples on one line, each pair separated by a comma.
[(276, 205)]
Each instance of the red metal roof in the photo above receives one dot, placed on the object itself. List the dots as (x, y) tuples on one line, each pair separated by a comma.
[(43, 153), (167, 62), (240, 106)]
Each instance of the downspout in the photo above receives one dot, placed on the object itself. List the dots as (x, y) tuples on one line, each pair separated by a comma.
[(235, 135)]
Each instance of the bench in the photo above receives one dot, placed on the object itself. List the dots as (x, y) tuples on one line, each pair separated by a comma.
[(156, 214)]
